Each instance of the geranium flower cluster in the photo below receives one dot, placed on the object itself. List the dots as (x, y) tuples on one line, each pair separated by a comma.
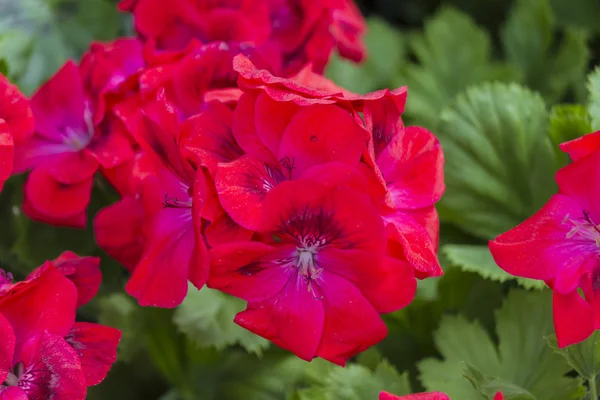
[(44, 353), (241, 167), (560, 244)]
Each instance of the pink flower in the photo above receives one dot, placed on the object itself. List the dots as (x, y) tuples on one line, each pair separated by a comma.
[(418, 396)]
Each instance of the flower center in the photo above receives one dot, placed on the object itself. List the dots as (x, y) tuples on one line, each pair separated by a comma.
[(14, 376), (584, 228), (6, 278), (76, 139)]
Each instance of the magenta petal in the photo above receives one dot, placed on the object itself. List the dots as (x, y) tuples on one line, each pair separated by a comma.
[(7, 347), (160, 278), (573, 318), (55, 369), (351, 323), (84, 272), (249, 270), (96, 346), (574, 181), (298, 314), (12, 393), (538, 248)]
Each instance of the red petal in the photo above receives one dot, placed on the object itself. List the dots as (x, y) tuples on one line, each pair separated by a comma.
[(249, 270), (84, 272), (60, 103), (160, 278), (12, 393), (321, 134), (15, 110), (54, 199), (74, 221), (7, 347), (49, 299), (582, 147), (207, 136), (573, 318), (242, 186), (244, 130), (538, 248), (111, 145), (55, 369), (417, 396), (6, 153), (390, 288), (118, 231), (413, 167), (271, 119), (224, 230), (408, 240), (71, 168), (96, 346), (574, 181), (351, 323)]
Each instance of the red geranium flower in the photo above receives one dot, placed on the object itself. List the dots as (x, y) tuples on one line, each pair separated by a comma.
[(44, 353), (559, 244), (66, 150), (418, 396), (293, 32), (16, 124), (318, 279), (174, 249)]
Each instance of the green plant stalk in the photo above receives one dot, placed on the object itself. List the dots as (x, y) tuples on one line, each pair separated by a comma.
[(593, 389)]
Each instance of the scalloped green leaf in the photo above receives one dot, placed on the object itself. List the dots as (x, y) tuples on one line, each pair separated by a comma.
[(594, 100), (521, 359), (548, 66), (499, 159), (478, 259), (584, 356), (206, 318), (442, 72)]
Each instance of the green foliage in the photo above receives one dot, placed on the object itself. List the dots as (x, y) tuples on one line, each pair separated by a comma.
[(453, 53), (491, 136), (206, 317), (594, 105), (37, 36), (584, 357), (520, 360), (386, 54), (355, 382), (528, 40), (478, 259)]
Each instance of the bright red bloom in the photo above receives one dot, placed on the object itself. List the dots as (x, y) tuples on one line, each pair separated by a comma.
[(38, 362), (84, 272), (583, 146), (560, 245), (319, 279), (499, 396), (44, 353), (66, 150), (294, 32), (418, 396), (174, 250), (118, 228), (96, 346), (16, 124), (105, 67)]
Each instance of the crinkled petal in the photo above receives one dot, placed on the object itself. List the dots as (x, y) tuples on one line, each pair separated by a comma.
[(352, 324), (7, 347), (15, 110), (96, 346)]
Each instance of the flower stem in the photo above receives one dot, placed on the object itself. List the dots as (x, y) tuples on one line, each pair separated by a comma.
[(593, 389)]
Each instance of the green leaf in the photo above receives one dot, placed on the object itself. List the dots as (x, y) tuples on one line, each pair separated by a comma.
[(3, 67), (499, 159), (594, 102), (120, 311), (489, 386), (568, 122), (583, 14), (584, 357), (206, 317), (38, 36), (357, 382), (478, 259), (522, 359), (442, 72), (386, 50), (528, 40)]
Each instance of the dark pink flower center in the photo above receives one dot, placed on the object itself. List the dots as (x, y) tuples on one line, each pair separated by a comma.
[(175, 202), (6, 278), (583, 229), (78, 139)]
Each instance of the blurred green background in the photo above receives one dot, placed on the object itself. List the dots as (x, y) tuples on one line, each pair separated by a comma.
[(500, 82)]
